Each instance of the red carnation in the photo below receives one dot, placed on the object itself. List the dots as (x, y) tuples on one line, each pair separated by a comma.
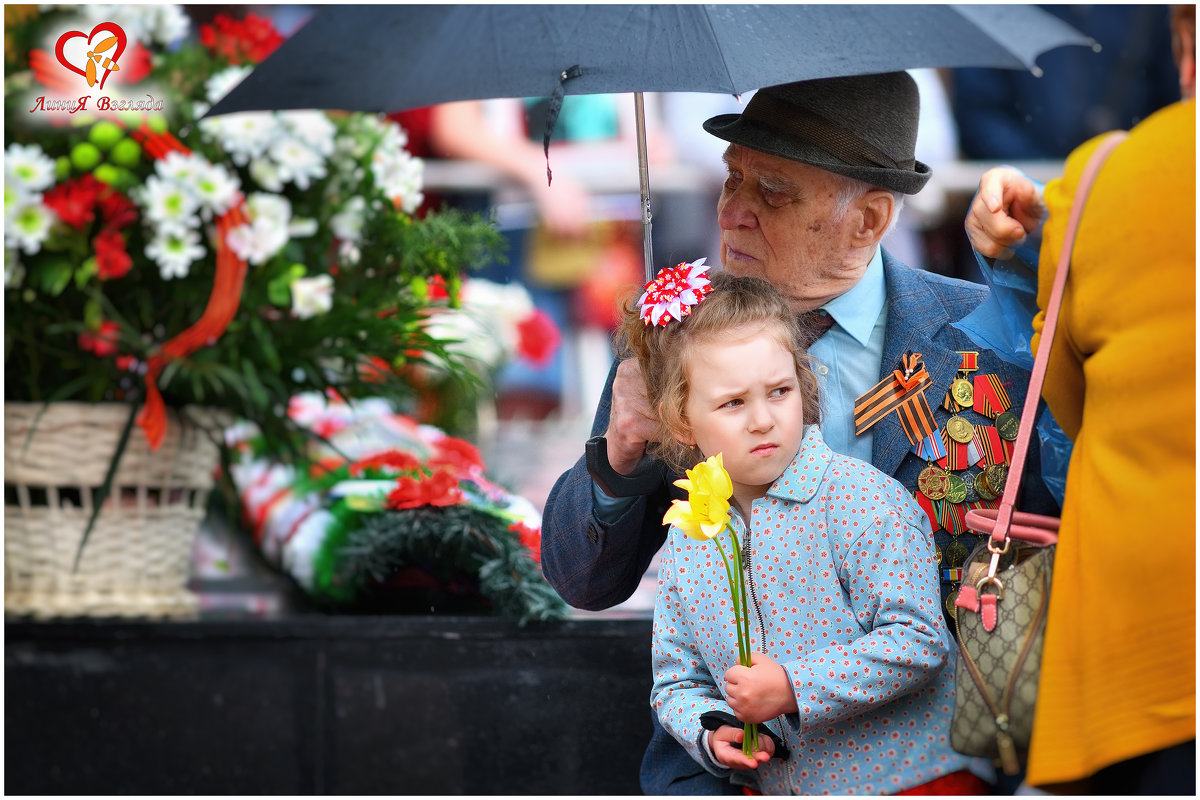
[(112, 260), (102, 343), (75, 200), (116, 210), (394, 459), (244, 41), (456, 454), (438, 489), (530, 538), (538, 338)]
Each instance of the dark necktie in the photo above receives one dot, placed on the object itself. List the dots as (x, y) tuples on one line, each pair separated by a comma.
[(813, 325)]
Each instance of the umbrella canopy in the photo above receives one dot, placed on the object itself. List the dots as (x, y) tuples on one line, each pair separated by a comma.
[(394, 57)]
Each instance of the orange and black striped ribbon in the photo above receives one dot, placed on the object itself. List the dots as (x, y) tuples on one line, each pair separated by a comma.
[(903, 391), (990, 397), (991, 446), (951, 516)]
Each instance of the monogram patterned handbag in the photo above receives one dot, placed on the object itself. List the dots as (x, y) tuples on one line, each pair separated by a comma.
[(1001, 608)]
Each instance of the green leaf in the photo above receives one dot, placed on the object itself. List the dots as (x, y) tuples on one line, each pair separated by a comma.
[(52, 276)]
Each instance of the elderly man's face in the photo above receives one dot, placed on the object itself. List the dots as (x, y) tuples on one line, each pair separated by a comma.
[(779, 222)]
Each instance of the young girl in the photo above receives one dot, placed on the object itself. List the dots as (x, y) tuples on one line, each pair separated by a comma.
[(852, 674)]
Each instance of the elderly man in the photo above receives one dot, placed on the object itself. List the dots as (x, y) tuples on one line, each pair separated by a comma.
[(817, 172)]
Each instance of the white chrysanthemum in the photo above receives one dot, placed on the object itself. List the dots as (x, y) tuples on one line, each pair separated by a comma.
[(16, 197), (399, 176), (272, 208), (253, 244), (347, 224), (265, 173), (175, 251), (311, 296), (267, 231), (29, 228), (302, 227), (28, 166), (296, 161), (216, 188), (223, 82), (243, 136), (170, 24), (502, 306), (313, 128), (349, 254), (181, 168), (167, 203)]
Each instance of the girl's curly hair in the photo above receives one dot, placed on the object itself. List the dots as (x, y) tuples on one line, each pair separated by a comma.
[(663, 353)]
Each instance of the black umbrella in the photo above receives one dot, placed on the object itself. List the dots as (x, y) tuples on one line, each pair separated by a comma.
[(393, 57)]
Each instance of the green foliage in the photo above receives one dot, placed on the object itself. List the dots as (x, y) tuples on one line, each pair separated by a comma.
[(367, 550)]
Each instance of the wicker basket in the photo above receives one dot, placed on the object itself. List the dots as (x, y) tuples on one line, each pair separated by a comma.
[(137, 556)]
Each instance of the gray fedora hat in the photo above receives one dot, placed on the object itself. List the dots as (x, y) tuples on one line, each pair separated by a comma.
[(864, 127)]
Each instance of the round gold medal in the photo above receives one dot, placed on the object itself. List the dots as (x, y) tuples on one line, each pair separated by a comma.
[(959, 429), (957, 554), (983, 488), (956, 492), (962, 392), (996, 474), (933, 482), (937, 553), (1007, 425), (952, 609)]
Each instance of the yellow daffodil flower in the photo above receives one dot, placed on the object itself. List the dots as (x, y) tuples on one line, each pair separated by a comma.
[(706, 511)]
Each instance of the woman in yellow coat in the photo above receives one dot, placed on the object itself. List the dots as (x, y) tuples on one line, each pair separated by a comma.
[(1116, 700)]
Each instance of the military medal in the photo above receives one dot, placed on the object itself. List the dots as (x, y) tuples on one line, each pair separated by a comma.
[(957, 553), (956, 491), (962, 392), (996, 475), (1008, 426), (984, 487), (951, 609), (959, 429), (933, 482), (969, 482), (990, 397), (937, 553)]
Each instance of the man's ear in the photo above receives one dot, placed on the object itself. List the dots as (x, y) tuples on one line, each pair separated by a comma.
[(875, 208)]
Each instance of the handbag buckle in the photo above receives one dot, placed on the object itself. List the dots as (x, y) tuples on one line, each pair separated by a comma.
[(991, 579)]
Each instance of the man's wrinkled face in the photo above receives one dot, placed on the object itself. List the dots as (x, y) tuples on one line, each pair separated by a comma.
[(779, 221)]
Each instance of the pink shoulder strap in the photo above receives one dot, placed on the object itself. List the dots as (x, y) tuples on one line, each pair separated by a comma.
[(1004, 514)]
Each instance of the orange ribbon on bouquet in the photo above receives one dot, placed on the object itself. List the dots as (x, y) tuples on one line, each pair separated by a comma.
[(222, 304)]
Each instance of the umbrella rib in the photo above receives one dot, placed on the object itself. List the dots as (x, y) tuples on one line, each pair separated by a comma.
[(713, 31)]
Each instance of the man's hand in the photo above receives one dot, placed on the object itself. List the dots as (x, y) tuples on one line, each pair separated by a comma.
[(726, 745), (760, 691), (1006, 208), (632, 423)]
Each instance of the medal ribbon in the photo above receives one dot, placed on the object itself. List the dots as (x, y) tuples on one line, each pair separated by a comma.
[(970, 360), (951, 516), (930, 448), (927, 506), (990, 444), (903, 391), (959, 455), (990, 397), (950, 404)]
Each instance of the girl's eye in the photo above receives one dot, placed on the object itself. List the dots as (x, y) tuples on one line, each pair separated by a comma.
[(734, 403), (782, 391)]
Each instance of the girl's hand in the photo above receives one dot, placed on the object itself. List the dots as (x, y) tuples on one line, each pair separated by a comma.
[(726, 745), (759, 692)]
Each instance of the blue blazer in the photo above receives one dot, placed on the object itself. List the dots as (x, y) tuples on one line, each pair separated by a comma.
[(594, 566)]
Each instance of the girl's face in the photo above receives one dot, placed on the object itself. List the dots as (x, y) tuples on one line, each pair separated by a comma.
[(744, 402)]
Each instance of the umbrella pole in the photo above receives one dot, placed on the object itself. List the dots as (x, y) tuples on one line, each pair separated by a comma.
[(644, 180)]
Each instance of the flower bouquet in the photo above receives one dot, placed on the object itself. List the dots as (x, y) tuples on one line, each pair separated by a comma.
[(161, 261), (165, 260), (704, 516)]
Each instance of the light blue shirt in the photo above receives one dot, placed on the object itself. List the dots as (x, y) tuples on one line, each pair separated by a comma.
[(848, 356), (846, 359)]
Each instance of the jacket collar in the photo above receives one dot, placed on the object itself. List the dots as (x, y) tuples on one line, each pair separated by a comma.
[(800, 482)]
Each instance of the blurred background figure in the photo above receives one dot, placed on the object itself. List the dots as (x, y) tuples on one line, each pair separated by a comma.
[(1011, 114)]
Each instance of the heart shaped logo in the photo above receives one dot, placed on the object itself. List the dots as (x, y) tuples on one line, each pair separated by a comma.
[(101, 57)]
